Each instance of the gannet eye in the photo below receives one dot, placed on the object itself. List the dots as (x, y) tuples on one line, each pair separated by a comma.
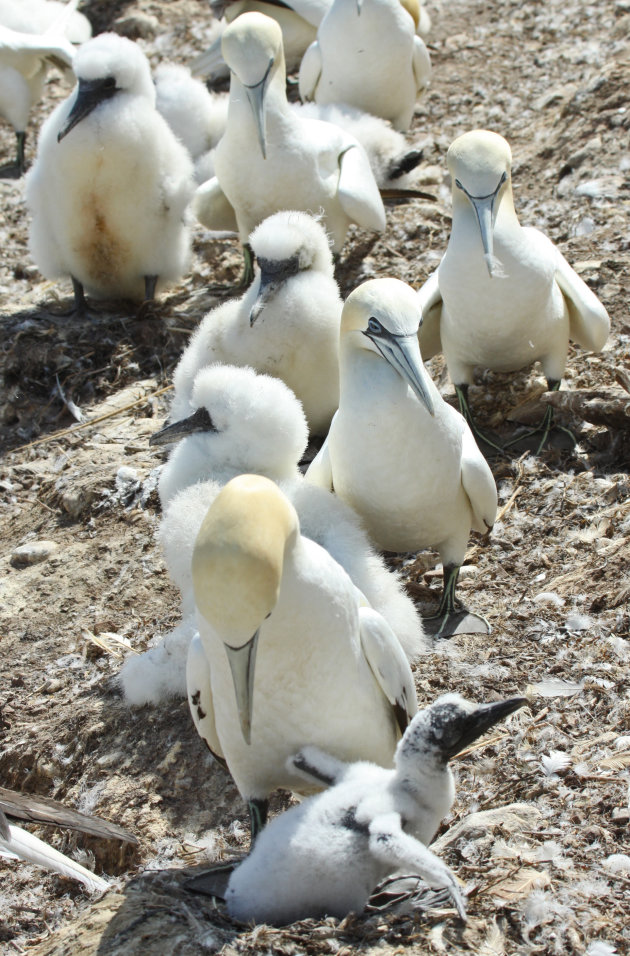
[(374, 325)]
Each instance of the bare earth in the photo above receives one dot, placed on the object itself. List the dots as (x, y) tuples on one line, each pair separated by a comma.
[(553, 579)]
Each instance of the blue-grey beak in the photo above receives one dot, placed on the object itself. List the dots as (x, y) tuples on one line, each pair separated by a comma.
[(484, 208), (90, 94), (242, 662), (256, 97), (403, 353)]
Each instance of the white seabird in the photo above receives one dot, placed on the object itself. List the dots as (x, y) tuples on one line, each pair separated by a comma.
[(503, 295), (367, 54), (286, 324), (244, 422), (295, 655), (396, 452), (109, 189), (269, 159), (326, 856)]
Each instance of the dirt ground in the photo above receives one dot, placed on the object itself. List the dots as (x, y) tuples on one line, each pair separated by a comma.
[(549, 874)]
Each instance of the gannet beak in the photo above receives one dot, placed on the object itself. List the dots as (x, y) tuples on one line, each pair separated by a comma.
[(90, 94), (359, 7), (273, 275), (256, 97), (242, 662), (483, 718), (199, 421), (484, 209), (403, 353)]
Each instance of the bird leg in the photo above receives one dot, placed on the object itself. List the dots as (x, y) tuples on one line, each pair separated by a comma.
[(258, 811), (450, 620), (546, 426), (80, 302), (16, 169), (248, 271), (487, 445), (150, 283)]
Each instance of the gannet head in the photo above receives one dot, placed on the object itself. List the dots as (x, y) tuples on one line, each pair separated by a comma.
[(237, 567), (383, 315), (239, 420), (252, 48), (439, 732), (480, 164), (105, 67), (285, 245)]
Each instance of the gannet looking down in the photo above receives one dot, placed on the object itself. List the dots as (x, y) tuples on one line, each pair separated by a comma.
[(295, 655), (244, 422), (325, 856), (396, 452), (503, 295), (269, 159), (110, 186), (286, 324), (368, 55)]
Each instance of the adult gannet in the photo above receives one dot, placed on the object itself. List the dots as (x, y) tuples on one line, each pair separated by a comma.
[(368, 55), (244, 422), (295, 655), (286, 324), (503, 295), (396, 452), (325, 856), (269, 159), (110, 186)]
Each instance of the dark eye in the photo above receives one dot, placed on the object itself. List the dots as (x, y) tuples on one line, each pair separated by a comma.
[(110, 83), (374, 325)]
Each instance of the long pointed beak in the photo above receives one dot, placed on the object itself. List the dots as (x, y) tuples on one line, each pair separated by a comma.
[(90, 94), (403, 353), (242, 662), (273, 275), (256, 97), (199, 421), (359, 7), (484, 209), (485, 717)]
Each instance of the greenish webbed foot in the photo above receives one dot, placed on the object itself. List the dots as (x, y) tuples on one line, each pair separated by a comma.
[(489, 444), (451, 620), (546, 432)]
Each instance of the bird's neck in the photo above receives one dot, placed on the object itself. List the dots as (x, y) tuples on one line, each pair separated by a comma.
[(429, 791)]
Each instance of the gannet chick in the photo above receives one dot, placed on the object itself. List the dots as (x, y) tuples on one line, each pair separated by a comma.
[(295, 655), (110, 186), (244, 422), (286, 324), (326, 856), (503, 295), (367, 54), (269, 159), (396, 452)]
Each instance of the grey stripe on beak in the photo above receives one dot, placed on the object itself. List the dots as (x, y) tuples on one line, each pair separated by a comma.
[(403, 353), (484, 209), (242, 662), (256, 97)]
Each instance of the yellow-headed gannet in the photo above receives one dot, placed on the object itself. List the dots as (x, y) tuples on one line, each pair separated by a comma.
[(295, 654), (367, 54), (269, 159), (239, 422), (326, 856), (396, 452), (503, 295), (285, 325), (110, 186)]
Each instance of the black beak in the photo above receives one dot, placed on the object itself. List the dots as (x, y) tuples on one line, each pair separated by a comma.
[(199, 421), (273, 274), (482, 719), (90, 94)]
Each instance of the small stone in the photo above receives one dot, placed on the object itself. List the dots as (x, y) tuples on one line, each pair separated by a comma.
[(33, 552), (137, 25)]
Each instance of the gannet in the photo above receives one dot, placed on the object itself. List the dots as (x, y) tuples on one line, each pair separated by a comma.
[(326, 856), (503, 295), (295, 654), (367, 54), (396, 452), (110, 186), (286, 324), (269, 159), (239, 422)]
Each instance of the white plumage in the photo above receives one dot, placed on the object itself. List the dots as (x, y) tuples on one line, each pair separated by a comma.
[(109, 189), (286, 324), (269, 159), (503, 295), (295, 655), (368, 55), (396, 452), (326, 856)]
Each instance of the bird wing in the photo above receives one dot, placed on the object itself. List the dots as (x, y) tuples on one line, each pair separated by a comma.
[(54, 48), (319, 472), (421, 63), (315, 764), (313, 11), (357, 189), (29, 806), (200, 697), (589, 322), (210, 62), (212, 207), (310, 71), (431, 305), (478, 482), (388, 663), (28, 847)]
